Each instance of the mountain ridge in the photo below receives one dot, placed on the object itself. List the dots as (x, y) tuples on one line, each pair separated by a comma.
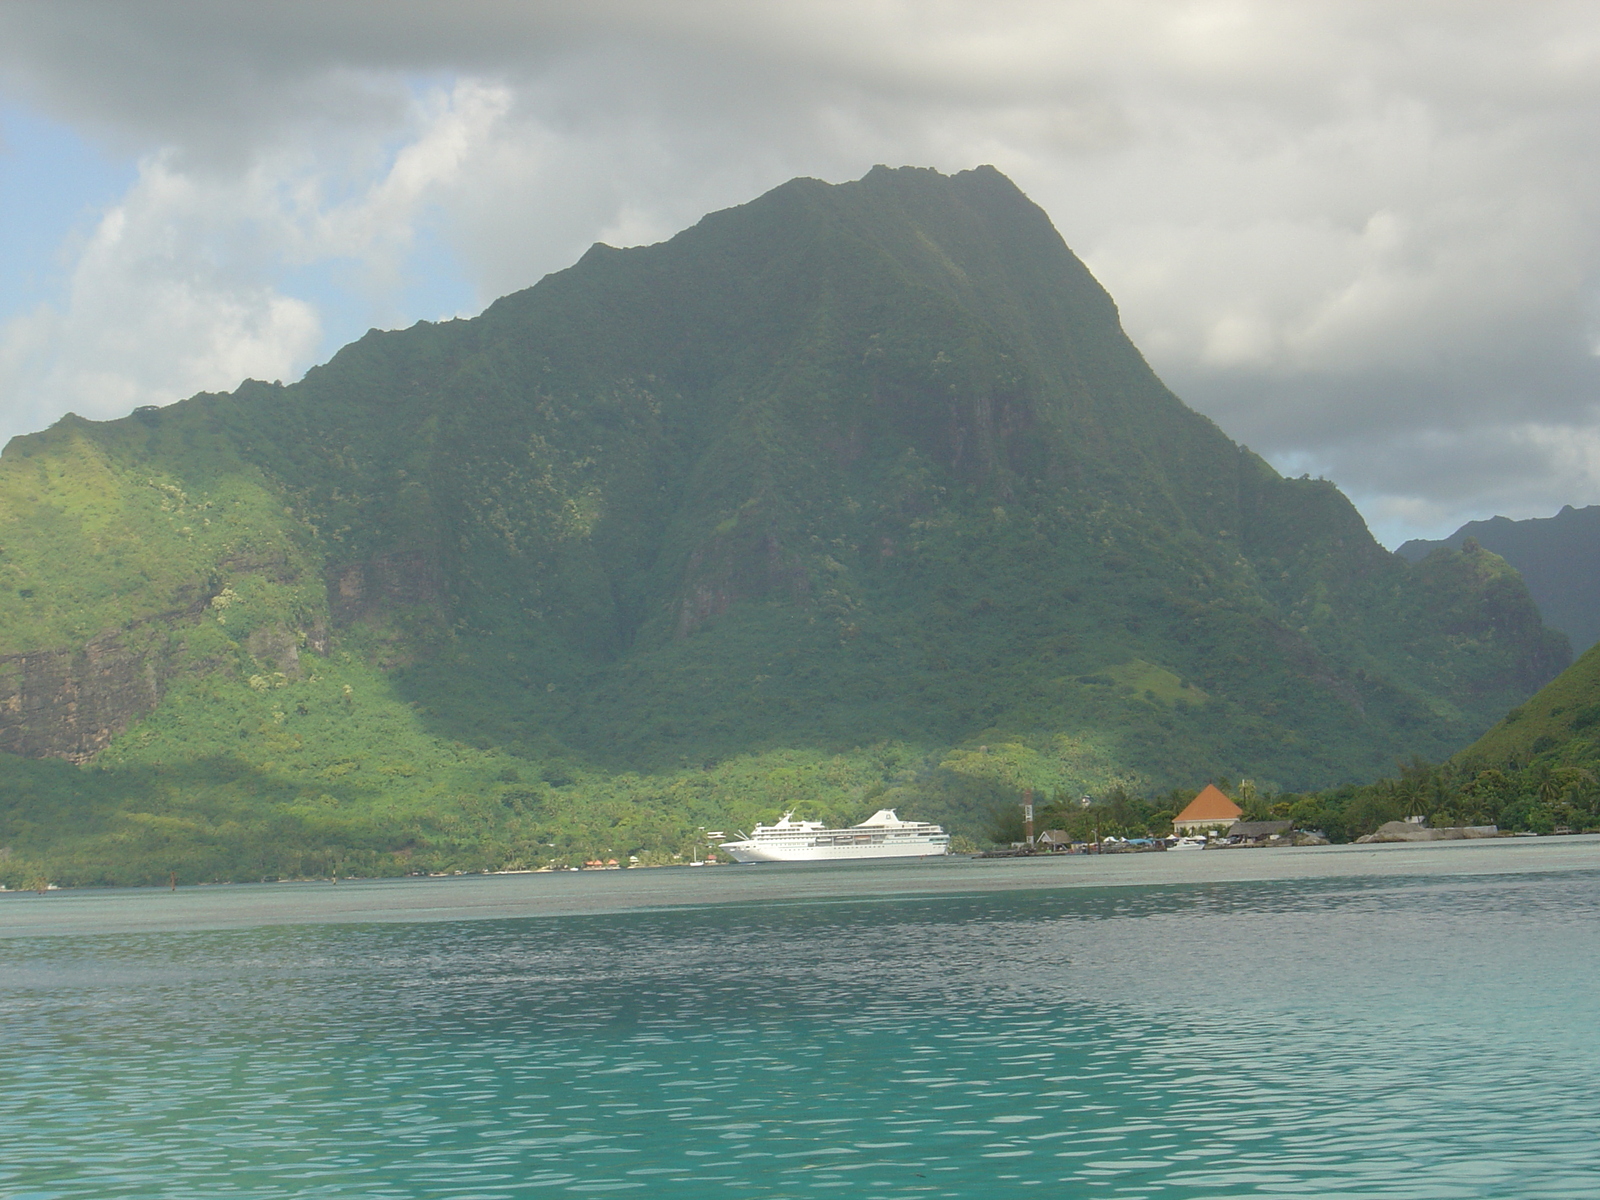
[(854, 492), (1558, 558)]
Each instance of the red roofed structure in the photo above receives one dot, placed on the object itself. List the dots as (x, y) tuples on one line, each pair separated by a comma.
[(1209, 810)]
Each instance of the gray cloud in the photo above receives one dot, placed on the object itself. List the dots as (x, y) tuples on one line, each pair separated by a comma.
[(1361, 236)]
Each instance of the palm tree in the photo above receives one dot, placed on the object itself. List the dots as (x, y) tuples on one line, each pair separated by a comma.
[(1550, 787)]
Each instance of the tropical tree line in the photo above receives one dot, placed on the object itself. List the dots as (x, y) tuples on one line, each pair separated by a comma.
[(1540, 798)]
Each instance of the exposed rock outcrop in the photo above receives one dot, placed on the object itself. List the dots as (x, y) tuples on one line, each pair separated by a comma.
[(1409, 831), (733, 569), (69, 703), (405, 577)]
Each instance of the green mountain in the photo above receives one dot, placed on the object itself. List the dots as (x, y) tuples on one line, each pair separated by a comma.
[(1536, 770), (1559, 726), (853, 495), (1558, 558)]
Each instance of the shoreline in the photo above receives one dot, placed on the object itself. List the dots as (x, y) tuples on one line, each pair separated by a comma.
[(111, 911)]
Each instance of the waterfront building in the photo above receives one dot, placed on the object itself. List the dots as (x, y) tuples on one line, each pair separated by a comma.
[(1208, 812), (1260, 833)]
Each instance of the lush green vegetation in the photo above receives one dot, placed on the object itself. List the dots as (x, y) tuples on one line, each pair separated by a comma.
[(1539, 797), (1558, 557), (853, 496), (1536, 771)]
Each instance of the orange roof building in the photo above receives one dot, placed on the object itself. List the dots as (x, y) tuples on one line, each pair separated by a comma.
[(1209, 810)]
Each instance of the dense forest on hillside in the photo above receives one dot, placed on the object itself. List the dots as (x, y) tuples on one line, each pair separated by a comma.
[(1536, 771), (855, 496), (1558, 558), (1532, 798)]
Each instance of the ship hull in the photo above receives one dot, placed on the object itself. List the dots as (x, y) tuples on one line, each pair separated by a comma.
[(748, 852), (883, 835)]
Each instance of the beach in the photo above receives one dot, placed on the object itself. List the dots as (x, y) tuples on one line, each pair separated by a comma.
[(577, 893)]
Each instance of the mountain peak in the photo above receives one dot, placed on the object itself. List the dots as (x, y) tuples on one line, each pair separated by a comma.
[(856, 494)]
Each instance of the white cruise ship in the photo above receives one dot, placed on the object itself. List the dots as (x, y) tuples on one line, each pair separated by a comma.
[(882, 835)]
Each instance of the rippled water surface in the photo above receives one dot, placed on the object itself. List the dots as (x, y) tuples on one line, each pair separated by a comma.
[(1398, 1039)]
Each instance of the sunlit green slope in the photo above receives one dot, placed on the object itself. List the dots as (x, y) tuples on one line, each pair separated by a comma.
[(1558, 725), (852, 495)]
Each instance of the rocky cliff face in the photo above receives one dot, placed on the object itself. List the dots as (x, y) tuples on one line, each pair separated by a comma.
[(401, 579), (69, 703)]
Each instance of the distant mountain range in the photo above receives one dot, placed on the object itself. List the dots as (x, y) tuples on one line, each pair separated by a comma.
[(1557, 731), (1558, 557), (854, 496)]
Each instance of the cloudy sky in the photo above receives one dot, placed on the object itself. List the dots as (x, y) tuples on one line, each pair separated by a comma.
[(1364, 237)]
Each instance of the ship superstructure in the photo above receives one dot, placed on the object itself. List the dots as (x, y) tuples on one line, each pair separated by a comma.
[(882, 835)]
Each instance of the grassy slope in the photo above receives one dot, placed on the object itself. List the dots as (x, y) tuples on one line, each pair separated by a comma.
[(1558, 724), (849, 496), (1536, 770)]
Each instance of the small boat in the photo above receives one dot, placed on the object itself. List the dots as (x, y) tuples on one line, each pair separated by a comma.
[(1188, 843)]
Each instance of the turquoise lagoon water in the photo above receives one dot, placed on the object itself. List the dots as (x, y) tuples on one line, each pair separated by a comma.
[(1387, 1038)]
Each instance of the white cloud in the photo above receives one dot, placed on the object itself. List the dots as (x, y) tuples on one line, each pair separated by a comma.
[(155, 310), (1510, 469), (178, 288)]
